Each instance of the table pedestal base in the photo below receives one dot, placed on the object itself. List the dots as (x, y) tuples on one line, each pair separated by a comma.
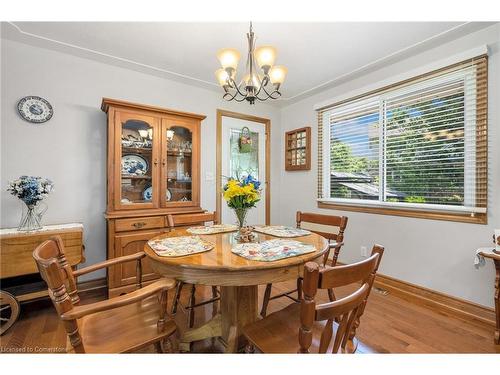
[(238, 307)]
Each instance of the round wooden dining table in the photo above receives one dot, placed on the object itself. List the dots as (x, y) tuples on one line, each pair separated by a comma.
[(237, 277)]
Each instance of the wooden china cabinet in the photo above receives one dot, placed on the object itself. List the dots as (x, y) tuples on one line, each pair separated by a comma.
[(153, 171)]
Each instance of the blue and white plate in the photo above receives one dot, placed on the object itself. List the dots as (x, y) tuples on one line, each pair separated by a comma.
[(135, 165), (147, 194)]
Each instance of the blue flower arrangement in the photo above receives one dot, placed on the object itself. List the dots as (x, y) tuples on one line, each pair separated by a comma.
[(30, 189), (250, 180)]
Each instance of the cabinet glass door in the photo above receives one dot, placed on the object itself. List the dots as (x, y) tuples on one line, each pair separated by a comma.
[(138, 161), (179, 170)]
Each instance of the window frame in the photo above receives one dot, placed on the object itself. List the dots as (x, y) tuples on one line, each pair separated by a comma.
[(462, 213)]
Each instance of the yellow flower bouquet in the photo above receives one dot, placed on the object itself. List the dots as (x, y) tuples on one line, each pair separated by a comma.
[(241, 195)]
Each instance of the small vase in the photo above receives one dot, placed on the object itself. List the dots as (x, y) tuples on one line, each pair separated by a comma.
[(31, 217), (241, 215)]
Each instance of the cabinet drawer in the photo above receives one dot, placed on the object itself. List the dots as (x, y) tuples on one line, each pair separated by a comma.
[(122, 225)]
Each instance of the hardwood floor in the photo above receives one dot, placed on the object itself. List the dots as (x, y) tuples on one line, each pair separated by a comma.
[(389, 325)]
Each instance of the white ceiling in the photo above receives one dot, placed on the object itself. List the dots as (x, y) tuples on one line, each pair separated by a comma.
[(316, 54)]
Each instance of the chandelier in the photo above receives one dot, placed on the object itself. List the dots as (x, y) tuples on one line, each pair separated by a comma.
[(255, 85)]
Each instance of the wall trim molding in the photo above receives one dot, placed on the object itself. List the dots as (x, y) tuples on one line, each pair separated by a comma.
[(436, 301), (113, 57)]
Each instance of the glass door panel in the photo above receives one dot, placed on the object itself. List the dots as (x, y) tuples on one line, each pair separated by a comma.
[(179, 167), (138, 162), (179, 164), (243, 164)]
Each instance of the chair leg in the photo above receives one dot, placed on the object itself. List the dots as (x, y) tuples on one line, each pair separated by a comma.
[(299, 288), (177, 295), (192, 302), (355, 325), (215, 305), (165, 346), (265, 302), (158, 347)]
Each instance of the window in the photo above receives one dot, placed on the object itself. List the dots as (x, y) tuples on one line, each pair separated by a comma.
[(416, 147)]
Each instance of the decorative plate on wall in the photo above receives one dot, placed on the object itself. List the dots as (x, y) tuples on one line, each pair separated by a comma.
[(35, 109)]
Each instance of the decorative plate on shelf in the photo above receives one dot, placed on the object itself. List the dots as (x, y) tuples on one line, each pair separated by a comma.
[(169, 195), (147, 194), (134, 165), (35, 109)]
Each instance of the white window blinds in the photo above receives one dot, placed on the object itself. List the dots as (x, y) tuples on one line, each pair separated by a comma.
[(421, 144)]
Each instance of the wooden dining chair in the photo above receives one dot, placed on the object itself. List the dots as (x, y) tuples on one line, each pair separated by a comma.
[(332, 228), (184, 220), (117, 325), (319, 328)]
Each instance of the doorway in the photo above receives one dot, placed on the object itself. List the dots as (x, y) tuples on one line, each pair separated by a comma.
[(231, 162)]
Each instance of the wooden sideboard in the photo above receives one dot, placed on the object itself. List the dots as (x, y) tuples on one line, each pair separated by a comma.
[(18, 270), (153, 168)]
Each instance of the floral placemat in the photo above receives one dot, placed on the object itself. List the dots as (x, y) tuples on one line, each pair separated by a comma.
[(180, 246), (282, 231), (213, 229), (271, 250)]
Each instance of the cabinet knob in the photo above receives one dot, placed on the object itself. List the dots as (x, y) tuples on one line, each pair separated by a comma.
[(156, 162), (139, 224)]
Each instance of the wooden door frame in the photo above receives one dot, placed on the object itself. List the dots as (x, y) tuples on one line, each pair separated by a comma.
[(241, 116)]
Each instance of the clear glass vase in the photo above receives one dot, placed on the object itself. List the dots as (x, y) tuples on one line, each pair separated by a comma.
[(244, 233), (32, 216), (241, 216)]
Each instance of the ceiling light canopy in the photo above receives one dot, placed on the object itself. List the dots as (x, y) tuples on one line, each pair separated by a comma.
[(256, 84)]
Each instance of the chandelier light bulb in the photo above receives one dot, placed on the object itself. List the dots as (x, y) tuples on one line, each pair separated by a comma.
[(251, 81), (265, 55), (222, 76), (277, 74), (228, 58)]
